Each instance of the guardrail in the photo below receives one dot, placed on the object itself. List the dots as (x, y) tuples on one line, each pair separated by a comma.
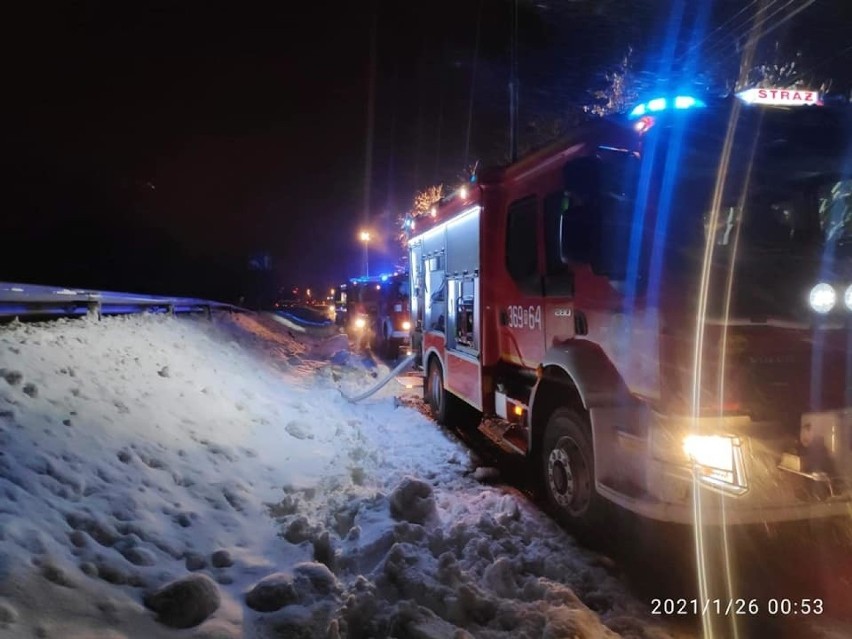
[(28, 300)]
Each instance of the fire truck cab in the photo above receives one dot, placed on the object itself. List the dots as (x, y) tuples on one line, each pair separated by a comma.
[(655, 311)]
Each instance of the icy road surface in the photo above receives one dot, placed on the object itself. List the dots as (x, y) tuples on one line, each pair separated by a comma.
[(161, 473)]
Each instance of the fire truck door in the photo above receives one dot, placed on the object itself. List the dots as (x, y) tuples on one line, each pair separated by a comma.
[(521, 314)]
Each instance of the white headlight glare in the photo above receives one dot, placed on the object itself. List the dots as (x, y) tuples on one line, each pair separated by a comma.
[(847, 297), (717, 462), (712, 451), (822, 298)]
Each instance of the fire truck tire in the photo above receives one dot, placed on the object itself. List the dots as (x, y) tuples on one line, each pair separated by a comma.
[(446, 408), (568, 469)]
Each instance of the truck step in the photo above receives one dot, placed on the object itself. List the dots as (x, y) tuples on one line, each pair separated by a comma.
[(509, 437)]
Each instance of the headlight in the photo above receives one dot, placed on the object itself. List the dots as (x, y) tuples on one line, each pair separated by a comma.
[(847, 297), (712, 451), (360, 323), (406, 326), (717, 461), (822, 298)]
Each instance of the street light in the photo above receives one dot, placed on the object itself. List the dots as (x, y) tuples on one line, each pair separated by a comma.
[(365, 238)]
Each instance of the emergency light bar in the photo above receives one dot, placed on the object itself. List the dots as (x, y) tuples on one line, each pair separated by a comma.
[(373, 279), (781, 97), (680, 103)]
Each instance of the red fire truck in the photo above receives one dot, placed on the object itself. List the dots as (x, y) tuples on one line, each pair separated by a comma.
[(375, 311), (394, 321), (656, 311)]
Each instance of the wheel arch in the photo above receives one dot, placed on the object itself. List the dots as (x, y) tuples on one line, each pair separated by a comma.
[(432, 355), (554, 388), (578, 374)]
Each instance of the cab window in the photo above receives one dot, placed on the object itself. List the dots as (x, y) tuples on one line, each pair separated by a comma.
[(522, 241)]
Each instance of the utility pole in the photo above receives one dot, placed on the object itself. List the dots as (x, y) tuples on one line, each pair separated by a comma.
[(473, 83), (513, 86), (371, 116)]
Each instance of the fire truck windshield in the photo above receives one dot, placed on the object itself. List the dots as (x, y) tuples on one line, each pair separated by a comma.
[(787, 182), (784, 186), (779, 213)]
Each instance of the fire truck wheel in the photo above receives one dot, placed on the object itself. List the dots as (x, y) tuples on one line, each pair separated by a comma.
[(436, 394), (446, 408), (568, 466)]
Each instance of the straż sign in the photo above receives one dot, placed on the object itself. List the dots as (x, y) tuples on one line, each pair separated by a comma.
[(780, 97)]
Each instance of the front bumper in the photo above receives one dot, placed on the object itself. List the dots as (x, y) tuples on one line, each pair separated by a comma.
[(675, 490), (716, 510)]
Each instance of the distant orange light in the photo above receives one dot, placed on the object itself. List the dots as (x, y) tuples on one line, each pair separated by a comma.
[(519, 410)]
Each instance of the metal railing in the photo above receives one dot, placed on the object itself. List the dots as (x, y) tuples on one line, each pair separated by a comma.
[(29, 300)]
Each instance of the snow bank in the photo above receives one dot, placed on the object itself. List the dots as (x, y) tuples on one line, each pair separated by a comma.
[(209, 474)]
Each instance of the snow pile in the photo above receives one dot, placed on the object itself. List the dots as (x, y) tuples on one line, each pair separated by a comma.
[(162, 474)]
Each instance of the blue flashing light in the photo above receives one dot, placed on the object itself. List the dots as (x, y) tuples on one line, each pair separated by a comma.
[(657, 104), (680, 103), (638, 111), (688, 102), (684, 102), (373, 279)]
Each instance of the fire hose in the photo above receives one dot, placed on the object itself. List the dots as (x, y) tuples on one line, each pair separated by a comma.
[(408, 361)]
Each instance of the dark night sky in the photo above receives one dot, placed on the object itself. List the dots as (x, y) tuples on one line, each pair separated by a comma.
[(245, 123), (153, 146)]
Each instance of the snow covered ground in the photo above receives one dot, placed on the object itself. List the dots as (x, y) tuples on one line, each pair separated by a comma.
[(160, 473)]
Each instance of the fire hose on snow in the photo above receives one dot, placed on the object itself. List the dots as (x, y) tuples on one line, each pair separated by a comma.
[(408, 361)]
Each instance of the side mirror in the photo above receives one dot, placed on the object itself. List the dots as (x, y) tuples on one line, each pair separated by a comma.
[(598, 234), (597, 217), (615, 239), (577, 233)]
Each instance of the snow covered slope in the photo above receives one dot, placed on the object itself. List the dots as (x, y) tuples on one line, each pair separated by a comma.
[(162, 473)]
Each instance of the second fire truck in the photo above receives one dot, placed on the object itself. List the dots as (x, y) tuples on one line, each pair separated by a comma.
[(656, 311), (375, 312)]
